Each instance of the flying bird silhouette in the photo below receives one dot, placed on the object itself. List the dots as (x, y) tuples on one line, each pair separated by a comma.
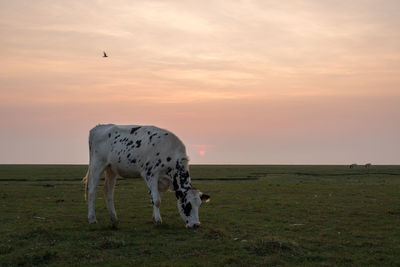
[(105, 55)]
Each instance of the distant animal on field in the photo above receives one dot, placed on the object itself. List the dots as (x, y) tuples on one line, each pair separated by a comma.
[(368, 165), (353, 165), (153, 153), (104, 54)]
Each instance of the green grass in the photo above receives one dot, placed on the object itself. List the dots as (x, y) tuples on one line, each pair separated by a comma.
[(258, 215)]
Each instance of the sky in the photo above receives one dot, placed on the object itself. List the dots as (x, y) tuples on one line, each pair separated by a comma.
[(240, 82)]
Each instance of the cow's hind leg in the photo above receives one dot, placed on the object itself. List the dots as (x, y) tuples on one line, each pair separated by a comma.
[(109, 185), (156, 201), (95, 172)]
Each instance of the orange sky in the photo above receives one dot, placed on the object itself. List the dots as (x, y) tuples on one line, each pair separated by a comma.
[(264, 82)]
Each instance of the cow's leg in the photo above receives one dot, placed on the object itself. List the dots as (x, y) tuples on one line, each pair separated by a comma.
[(95, 172), (156, 200), (109, 185)]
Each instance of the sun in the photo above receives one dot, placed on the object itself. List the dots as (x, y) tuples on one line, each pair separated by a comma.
[(202, 149)]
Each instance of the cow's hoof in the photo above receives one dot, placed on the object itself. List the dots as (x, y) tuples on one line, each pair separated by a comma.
[(114, 224), (92, 220), (157, 222)]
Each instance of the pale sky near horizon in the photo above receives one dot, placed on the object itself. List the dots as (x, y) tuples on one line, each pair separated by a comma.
[(250, 82)]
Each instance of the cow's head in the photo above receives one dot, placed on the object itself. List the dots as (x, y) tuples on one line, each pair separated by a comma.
[(188, 206)]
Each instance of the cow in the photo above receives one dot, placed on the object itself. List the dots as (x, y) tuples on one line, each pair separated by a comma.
[(155, 154), (368, 165), (353, 165)]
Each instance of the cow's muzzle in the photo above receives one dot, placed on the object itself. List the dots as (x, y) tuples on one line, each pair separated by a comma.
[(193, 226)]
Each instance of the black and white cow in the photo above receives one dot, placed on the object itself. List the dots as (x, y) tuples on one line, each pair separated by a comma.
[(153, 153)]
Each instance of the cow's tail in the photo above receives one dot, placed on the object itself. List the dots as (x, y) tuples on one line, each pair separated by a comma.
[(85, 181)]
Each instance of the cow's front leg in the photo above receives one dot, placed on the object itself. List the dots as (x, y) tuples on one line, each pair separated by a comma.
[(156, 201)]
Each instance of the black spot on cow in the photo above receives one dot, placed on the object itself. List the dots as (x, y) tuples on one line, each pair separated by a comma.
[(169, 159), (147, 164), (109, 135), (117, 136), (158, 162), (138, 143), (115, 142), (183, 175), (166, 134), (175, 184), (134, 129), (129, 143), (133, 161), (128, 155), (158, 154), (178, 194), (162, 165), (169, 170), (187, 208), (148, 133), (151, 136), (178, 166)]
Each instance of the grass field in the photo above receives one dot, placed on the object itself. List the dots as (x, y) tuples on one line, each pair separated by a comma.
[(258, 215)]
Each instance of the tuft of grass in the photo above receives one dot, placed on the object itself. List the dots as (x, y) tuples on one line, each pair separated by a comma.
[(263, 247), (38, 257), (215, 234), (39, 233), (109, 243), (5, 249)]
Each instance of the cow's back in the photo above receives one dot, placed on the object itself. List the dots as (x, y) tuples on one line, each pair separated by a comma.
[(133, 149)]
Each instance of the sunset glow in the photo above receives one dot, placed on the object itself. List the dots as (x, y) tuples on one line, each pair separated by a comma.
[(258, 82), (202, 149)]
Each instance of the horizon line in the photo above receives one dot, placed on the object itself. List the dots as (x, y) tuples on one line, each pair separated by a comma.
[(227, 164)]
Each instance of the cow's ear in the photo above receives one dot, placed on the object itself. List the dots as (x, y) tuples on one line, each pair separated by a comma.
[(178, 194), (205, 197)]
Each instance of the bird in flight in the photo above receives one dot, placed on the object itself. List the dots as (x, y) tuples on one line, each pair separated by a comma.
[(105, 55)]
